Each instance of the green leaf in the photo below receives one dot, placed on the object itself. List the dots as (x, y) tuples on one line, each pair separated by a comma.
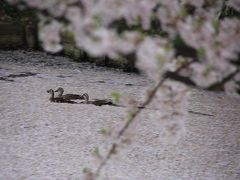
[(201, 53), (116, 97), (207, 70), (103, 131)]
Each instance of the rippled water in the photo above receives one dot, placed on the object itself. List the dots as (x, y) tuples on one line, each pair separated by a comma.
[(44, 140), (53, 71), (39, 138)]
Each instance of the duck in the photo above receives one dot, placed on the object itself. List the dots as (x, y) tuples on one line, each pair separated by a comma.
[(60, 90), (97, 102), (58, 99), (100, 102)]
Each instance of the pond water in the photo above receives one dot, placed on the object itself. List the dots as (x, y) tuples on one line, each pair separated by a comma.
[(44, 140), (35, 72), (36, 133)]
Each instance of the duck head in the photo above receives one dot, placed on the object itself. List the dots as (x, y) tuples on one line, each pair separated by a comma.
[(60, 91), (86, 97), (50, 91)]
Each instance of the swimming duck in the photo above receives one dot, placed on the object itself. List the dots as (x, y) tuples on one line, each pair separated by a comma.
[(58, 99), (100, 102), (97, 102), (69, 96)]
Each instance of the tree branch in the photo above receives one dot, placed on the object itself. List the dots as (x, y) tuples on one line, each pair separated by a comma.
[(133, 117)]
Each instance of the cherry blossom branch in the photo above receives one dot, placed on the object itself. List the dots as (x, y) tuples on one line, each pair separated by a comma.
[(133, 117)]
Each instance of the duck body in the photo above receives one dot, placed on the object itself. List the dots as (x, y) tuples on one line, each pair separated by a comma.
[(68, 96), (71, 96), (97, 102), (100, 102), (58, 99), (61, 100)]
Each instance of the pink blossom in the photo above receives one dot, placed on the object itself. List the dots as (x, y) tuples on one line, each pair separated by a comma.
[(153, 56), (91, 24), (50, 36)]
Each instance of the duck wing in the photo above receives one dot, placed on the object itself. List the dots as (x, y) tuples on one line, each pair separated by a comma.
[(62, 100)]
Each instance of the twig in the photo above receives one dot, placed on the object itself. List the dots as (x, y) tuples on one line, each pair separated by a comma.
[(199, 113), (121, 132)]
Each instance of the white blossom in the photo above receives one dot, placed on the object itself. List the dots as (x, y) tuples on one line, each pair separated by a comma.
[(216, 41), (172, 99), (50, 36), (154, 55)]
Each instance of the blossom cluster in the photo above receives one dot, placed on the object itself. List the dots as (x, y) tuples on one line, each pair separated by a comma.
[(196, 22)]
